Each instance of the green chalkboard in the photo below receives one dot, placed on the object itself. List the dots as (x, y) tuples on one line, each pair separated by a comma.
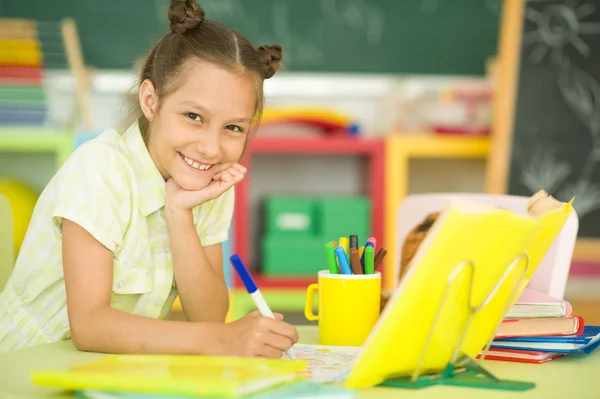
[(372, 36)]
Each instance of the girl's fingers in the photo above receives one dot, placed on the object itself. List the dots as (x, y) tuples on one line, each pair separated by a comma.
[(270, 353), (240, 168)]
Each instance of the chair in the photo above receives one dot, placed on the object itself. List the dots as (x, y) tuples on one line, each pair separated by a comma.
[(7, 256), (552, 273)]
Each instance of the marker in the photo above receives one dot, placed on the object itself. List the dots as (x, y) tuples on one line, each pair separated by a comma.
[(343, 260), (355, 261), (372, 240), (361, 250), (362, 258), (379, 257), (254, 292), (331, 260), (369, 268), (344, 244), (354, 241)]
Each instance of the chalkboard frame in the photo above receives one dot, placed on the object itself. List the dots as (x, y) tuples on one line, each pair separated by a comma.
[(504, 110)]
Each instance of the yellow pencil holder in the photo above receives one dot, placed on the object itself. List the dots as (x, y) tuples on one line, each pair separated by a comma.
[(349, 306)]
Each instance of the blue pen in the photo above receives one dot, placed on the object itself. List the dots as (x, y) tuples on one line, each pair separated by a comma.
[(343, 260), (362, 258), (254, 292)]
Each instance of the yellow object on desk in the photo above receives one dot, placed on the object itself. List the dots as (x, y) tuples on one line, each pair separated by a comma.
[(349, 306), (223, 377), (574, 376), (470, 268)]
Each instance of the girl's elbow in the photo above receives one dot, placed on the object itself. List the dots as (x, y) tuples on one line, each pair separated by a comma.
[(83, 332), (81, 336)]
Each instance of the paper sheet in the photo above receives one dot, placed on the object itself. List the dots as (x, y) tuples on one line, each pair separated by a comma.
[(327, 363)]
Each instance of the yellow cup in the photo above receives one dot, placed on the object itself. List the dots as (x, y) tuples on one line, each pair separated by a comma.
[(348, 307)]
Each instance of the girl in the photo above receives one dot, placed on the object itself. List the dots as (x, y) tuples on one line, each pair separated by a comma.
[(133, 219)]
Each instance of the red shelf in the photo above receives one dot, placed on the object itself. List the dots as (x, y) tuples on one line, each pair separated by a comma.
[(372, 149), (264, 282)]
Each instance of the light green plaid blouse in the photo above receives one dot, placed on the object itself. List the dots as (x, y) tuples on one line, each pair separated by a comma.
[(111, 187)]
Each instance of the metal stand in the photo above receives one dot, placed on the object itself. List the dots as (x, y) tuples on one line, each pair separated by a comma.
[(462, 369)]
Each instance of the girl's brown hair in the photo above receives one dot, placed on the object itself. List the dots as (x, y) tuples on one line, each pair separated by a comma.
[(192, 37)]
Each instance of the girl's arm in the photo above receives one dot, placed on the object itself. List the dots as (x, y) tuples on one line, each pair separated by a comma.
[(96, 327), (198, 270)]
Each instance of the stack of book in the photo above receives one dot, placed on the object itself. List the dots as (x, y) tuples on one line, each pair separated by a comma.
[(23, 99), (539, 328)]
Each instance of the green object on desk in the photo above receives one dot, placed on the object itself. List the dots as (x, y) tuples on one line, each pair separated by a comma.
[(574, 376), (472, 375)]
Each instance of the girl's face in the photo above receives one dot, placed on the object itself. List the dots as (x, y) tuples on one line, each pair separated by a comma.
[(201, 128)]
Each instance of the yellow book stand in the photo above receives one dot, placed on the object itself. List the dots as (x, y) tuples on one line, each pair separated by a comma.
[(467, 273)]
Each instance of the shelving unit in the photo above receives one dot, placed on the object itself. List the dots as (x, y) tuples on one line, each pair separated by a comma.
[(399, 149), (36, 140), (372, 149)]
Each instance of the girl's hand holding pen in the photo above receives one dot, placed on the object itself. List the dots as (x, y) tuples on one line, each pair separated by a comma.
[(255, 335)]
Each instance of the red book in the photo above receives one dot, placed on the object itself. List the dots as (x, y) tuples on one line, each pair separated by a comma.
[(539, 327), (520, 356)]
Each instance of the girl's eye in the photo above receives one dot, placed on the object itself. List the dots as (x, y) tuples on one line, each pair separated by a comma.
[(194, 116), (234, 128)]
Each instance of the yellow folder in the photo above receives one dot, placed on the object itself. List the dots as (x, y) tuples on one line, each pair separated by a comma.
[(223, 377), (486, 241)]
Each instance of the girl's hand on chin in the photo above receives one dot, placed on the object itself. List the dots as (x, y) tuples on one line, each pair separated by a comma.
[(179, 199)]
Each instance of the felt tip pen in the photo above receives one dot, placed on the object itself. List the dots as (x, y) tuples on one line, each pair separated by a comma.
[(369, 260), (355, 261), (379, 257), (343, 260), (362, 258), (254, 292), (344, 244), (372, 240), (331, 259), (354, 241)]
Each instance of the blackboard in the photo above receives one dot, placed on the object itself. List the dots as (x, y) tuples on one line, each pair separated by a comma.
[(363, 36), (554, 127)]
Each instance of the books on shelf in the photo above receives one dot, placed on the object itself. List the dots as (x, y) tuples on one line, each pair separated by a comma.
[(535, 304), (570, 325)]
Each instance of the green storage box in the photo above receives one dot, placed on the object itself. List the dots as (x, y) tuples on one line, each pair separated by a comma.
[(293, 256), (343, 216), (291, 216)]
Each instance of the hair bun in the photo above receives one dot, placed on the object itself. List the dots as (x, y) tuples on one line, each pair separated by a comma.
[(271, 57), (184, 15)]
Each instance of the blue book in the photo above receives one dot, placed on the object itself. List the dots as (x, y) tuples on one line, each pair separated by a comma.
[(589, 332), (551, 346)]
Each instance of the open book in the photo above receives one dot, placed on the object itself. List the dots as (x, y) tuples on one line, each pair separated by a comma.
[(469, 270)]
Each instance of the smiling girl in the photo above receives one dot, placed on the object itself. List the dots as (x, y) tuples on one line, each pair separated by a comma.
[(135, 218)]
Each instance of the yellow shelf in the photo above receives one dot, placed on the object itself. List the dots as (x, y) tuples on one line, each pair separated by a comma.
[(399, 149), (432, 146), (59, 142)]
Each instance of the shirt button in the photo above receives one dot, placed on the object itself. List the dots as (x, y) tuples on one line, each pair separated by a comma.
[(121, 284), (157, 302), (167, 249)]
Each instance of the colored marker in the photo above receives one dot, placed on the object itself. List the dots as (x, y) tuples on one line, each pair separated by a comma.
[(372, 240), (362, 258), (344, 244), (355, 261), (379, 257), (369, 266), (331, 260), (361, 250), (254, 292), (343, 260), (354, 241)]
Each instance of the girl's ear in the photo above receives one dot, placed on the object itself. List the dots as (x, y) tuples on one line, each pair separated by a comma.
[(148, 99)]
